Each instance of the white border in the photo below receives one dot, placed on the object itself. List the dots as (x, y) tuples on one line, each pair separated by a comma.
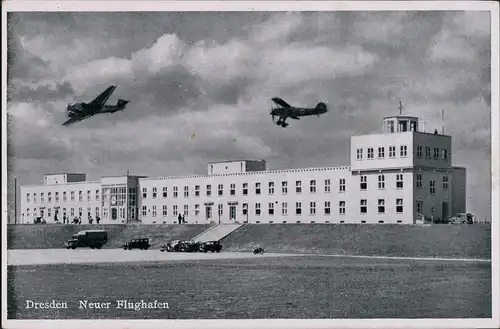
[(268, 6)]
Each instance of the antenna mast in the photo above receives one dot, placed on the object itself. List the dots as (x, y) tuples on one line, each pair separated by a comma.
[(400, 107), (442, 121)]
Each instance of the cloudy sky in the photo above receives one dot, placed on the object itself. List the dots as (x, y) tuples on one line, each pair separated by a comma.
[(200, 86)]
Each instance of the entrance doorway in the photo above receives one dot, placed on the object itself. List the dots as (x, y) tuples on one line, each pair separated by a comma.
[(444, 210), (232, 212), (114, 213), (208, 213)]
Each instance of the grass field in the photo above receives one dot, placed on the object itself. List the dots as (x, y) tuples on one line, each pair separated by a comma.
[(295, 287)]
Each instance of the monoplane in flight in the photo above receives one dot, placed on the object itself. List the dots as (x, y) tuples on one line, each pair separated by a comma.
[(287, 111), (80, 111)]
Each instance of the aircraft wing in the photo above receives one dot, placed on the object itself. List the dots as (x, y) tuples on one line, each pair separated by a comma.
[(102, 98), (72, 120), (280, 102)]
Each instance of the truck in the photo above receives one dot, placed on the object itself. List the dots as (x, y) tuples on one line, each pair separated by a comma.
[(88, 238)]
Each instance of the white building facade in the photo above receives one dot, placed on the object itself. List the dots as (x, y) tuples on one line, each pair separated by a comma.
[(397, 177)]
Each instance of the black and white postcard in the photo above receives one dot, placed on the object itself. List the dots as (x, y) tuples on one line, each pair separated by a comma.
[(240, 164)]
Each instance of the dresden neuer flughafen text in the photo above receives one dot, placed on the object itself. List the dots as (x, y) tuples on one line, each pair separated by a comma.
[(123, 304)]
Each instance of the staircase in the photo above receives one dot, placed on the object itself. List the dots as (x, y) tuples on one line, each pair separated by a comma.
[(217, 232)]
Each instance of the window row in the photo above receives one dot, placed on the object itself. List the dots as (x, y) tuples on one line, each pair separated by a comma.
[(363, 182), (381, 154), (50, 212), (257, 189), (72, 196), (432, 183), (436, 153), (312, 208)]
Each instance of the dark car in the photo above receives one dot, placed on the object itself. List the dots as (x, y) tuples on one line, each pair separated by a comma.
[(187, 246), (142, 244), (213, 246), (258, 251)]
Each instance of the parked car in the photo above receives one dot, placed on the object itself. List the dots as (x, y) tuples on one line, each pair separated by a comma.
[(142, 243), (258, 251), (187, 246), (213, 246), (170, 246), (88, 238)]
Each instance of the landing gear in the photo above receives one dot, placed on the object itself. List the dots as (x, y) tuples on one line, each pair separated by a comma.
[(282, 124)]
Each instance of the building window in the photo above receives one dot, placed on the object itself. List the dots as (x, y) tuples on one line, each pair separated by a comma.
[(196, 209), (72, 212), (245, 188), (432, 187), (298, 186), (186, 210), (392, 151), (72, 195), (342, 185), (445, 154), (370, 153), (232, 189), (381, 206), (28, 198), (312, 186), (381, 152), (399, 206), (49, 197), (403, 150), (419, 180), (57, 196), (327, 186), (364, 206), (164, 209), (209, 190), (175, 211), (197, 190), (271, 188), (327, 208), (284, 187), (155, 191), (419, 207), (96, 211), (427, 152), (221, 189), (89, 197), (298, 208), (363, 184), (419, 151), (284, 208), (42, 199), (341, 207), (220, 209), (445, 183), (164, 191), (245, 208), (257, 209), (154, 210), (49, 212), (399, 180), (436, 153), (359, 154), (34, 197), (312, 208), (176, 191), (186, 191), (257, 188), (144, 210), (381, 181), (97, 195), (271, 208), (144, 193), (65, 196)]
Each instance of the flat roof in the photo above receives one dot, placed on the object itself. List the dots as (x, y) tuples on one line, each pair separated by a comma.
[(67, 173), (401, 117), (225, 161)]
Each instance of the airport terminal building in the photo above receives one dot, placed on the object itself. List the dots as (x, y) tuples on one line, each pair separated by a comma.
[(398, 176)]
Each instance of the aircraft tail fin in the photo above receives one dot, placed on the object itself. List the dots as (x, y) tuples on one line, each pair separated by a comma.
[(321, 105)]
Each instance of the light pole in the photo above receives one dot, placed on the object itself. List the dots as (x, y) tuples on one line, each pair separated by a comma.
[(219, 210)]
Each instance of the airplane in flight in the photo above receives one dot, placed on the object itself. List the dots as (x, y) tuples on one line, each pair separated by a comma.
[(81, 111), (287, 111)]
